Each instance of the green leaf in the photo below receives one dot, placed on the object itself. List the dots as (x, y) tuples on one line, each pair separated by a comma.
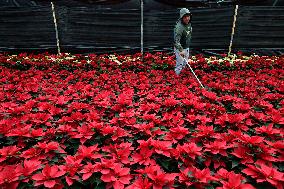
[(235, 163), (95, 180), (200, 160), (189, 174), (100, 186), (281, 168), (24, 186), (155, 128), (199, 144), (55, 159), (39, 138), (209, 187), (165, 164)]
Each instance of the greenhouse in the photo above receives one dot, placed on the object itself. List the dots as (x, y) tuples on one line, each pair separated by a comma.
[(142, 94)]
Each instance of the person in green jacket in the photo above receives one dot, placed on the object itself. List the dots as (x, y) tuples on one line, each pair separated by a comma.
[(182, 39)]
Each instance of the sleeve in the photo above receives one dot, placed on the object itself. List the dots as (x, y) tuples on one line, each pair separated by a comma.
[(177, 37)]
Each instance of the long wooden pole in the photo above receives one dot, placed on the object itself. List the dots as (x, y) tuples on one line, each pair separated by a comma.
[(233, 29), (56, 28), (142, 28)]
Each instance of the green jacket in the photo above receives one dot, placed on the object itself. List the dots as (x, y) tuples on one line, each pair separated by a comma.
[(182, 35)]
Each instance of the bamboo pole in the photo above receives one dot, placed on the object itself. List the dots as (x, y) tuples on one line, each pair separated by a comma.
[(233, 29), (142, 28), (56, 28), (275, 2)]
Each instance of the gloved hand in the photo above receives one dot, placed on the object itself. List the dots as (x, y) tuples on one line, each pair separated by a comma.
[(182, 53)]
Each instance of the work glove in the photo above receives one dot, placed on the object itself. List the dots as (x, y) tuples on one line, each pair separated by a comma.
[(182, 53)]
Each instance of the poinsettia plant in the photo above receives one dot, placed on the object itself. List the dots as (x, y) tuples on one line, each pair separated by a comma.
[(115, 121)]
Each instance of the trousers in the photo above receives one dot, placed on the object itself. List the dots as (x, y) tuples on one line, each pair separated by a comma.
[(180, 63)]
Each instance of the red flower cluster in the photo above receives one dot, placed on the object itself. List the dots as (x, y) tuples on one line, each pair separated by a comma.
[(87, 121)]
